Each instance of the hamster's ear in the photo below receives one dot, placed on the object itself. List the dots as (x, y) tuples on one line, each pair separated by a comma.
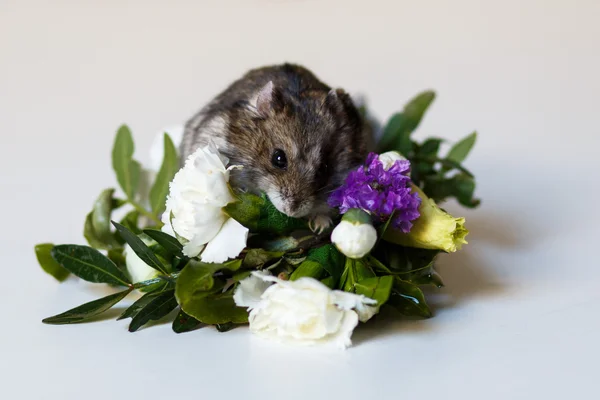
[(341, 104), (265, 100)]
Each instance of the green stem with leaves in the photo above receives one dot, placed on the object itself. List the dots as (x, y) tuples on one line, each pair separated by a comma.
[(138, 207)]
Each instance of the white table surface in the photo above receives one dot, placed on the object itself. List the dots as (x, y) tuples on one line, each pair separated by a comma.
[(518, 317)]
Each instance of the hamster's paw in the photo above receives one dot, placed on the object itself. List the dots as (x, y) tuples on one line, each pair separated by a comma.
[(319, 223)]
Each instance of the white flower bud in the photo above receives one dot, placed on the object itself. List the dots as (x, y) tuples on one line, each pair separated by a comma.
[(138, 270), (354, 236), (389, 158)]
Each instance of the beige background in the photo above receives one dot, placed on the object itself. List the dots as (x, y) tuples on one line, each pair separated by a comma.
[(518, 318)]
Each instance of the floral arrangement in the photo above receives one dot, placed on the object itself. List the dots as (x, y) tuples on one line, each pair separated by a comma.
[(196, 249)]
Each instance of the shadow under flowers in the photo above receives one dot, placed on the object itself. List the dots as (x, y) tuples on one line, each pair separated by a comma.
[(471, 272)]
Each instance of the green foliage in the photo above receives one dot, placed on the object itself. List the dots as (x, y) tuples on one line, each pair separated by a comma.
[(396, 134), (49, 265), (88, 310), (409, 299), (410, 264), (308, 268), (259, 215), (169, 167), (140, 248), (256, 258), (126, 168), (439, 177), (156, 308), (330, 259), (461, 150), (200, 295), (168, 242), (377, 288), (89, 264), (185, 323)]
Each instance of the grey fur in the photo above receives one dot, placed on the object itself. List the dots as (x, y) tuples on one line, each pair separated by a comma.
[(283, 107)]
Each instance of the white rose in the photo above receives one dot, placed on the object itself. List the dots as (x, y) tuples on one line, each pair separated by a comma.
[(354, 236), (197, 194), (304, 311), (138, 270), (389, 158)]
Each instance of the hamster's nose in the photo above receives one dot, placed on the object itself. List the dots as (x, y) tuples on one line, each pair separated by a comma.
[(297, 207)]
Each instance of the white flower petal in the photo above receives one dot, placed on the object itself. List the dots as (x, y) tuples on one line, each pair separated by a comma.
[(228, 243), (341, 338), (302, 312), (250, 290), (197, 195)]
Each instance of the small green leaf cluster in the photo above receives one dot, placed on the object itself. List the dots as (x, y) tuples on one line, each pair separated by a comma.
[(440, 177)]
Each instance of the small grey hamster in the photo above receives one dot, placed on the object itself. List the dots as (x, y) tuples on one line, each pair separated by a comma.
[(295, 137)]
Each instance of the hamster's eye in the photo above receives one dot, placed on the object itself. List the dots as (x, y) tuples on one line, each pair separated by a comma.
[(279, 160)]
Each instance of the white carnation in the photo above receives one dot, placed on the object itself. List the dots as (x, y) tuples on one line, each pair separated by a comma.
[(304, 311), (194, 212)]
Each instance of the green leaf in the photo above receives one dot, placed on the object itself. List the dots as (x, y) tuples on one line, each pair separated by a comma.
[(127, 170), (117, 256), (430, 147), (89, 264), (408, 263), (460, 186), (87, 310), (308, 268), (461, 150), (285, 243), (260, 215), (196, 279), (130, 221), (90, 235), (377, 288), (185, 323), (330, 259), (354, 272), (140, 303), (198, 293), (170, 166), (167, 241), (396, 134), (149, 285), (329, 282), (226, 327), (140, 248), (48, 264), (232, 265), (258, 257), (216, 309), (158, 307), (101, 217), (409, 299)]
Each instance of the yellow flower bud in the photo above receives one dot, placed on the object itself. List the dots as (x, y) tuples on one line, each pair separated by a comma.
[(434, 229)]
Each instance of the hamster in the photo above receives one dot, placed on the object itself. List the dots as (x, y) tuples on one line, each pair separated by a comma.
[(295, 137)]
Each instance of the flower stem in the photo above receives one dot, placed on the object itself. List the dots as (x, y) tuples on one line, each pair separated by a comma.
[(447, 163), (145, 212)]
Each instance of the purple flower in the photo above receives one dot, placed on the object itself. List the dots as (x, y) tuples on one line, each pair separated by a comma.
[(380, 192)]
